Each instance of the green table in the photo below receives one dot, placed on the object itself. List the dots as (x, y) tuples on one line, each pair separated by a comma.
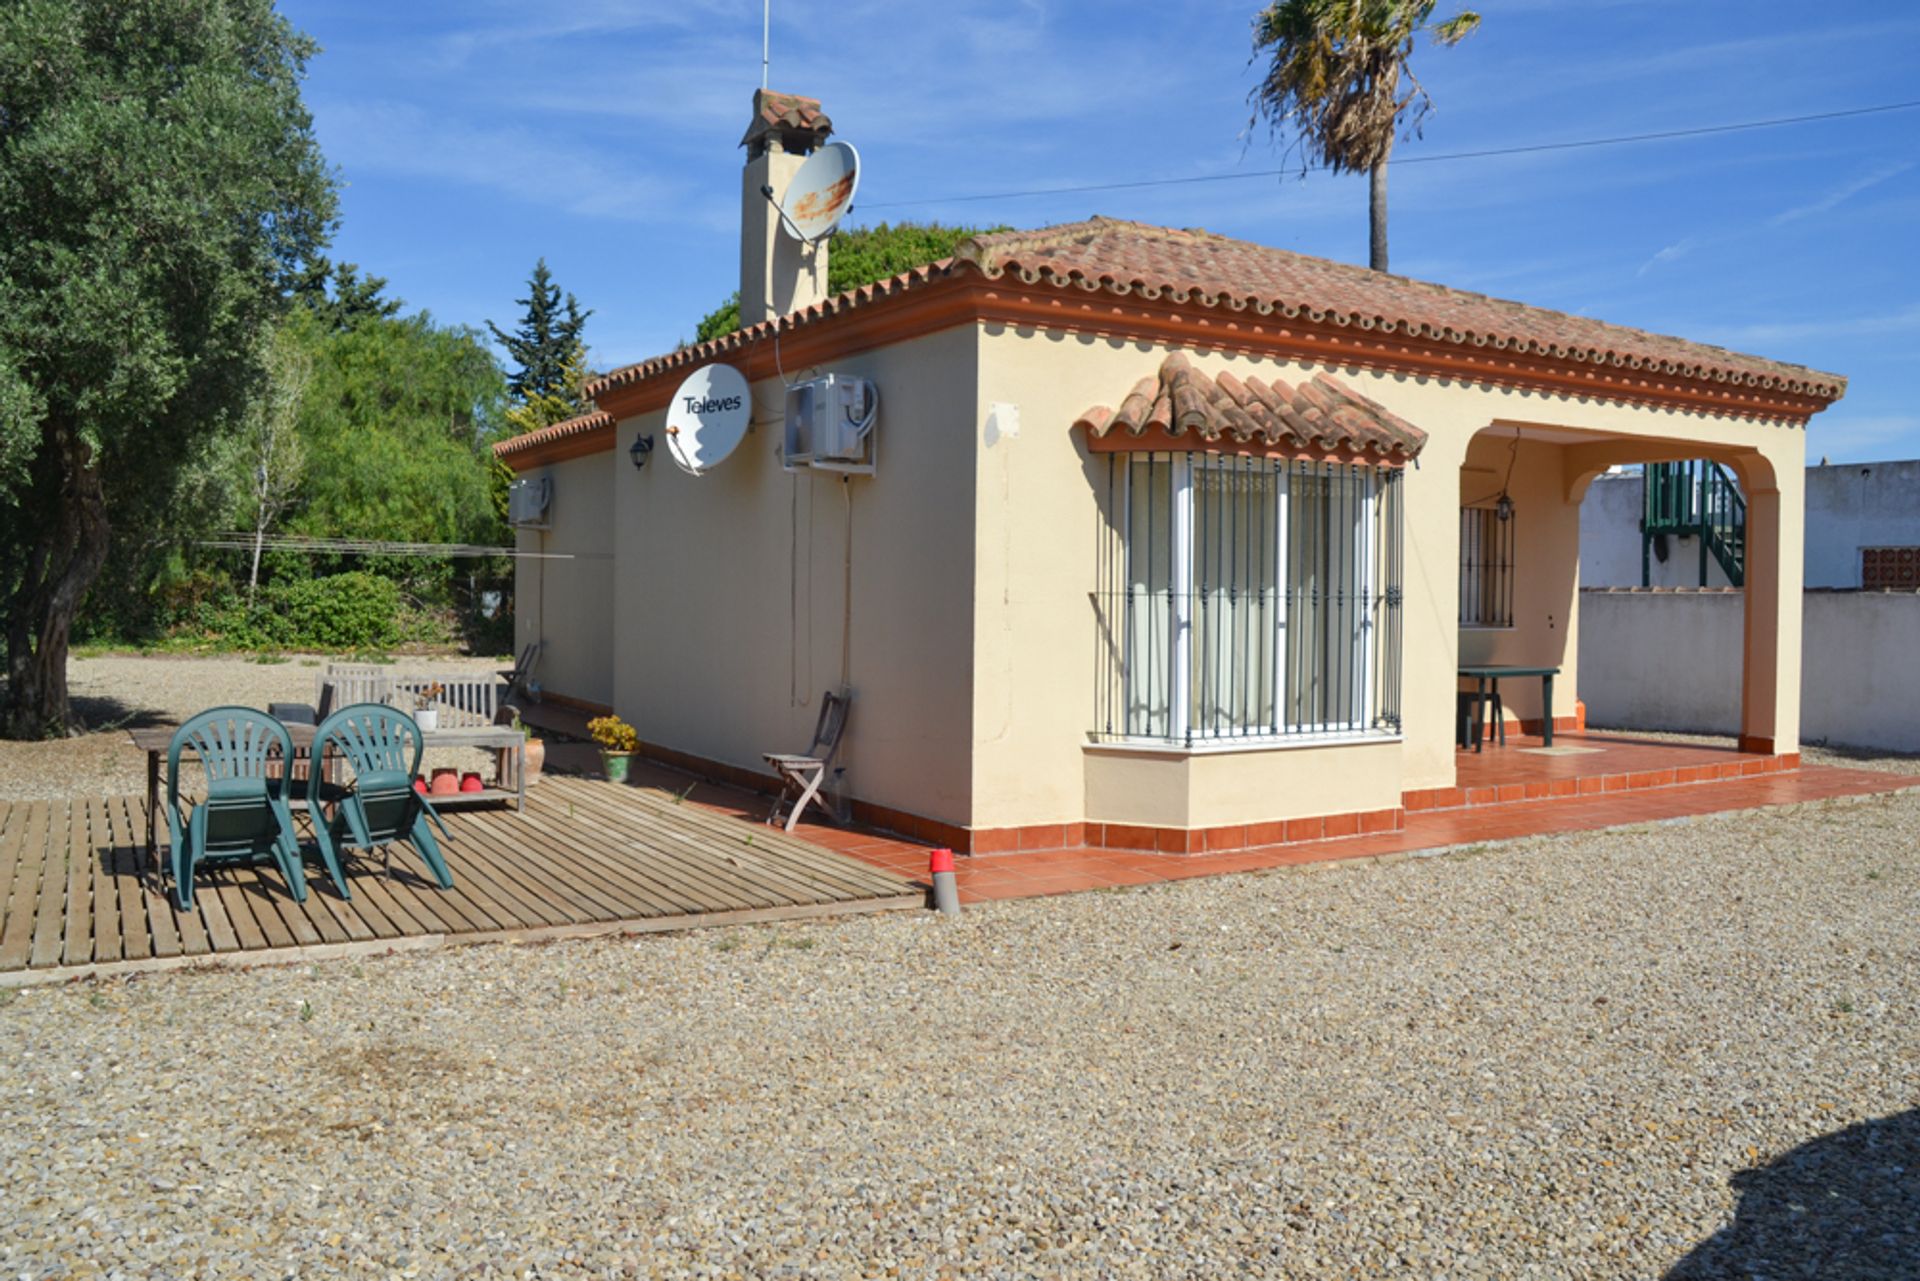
[(1492, 675)]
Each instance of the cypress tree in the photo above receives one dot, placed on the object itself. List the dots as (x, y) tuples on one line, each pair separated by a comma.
[(547, 348)]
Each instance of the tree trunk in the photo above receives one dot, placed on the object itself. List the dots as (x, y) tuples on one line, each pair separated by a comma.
[(259, 540), (1377, 214), (68, 503)]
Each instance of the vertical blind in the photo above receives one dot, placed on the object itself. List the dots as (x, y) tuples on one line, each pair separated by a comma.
[(1246, 597)]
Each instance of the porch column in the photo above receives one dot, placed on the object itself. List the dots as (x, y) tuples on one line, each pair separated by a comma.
[(1770, 672)]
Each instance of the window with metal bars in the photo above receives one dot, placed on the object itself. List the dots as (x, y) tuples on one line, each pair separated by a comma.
[(1246, 598), (1486, 567)]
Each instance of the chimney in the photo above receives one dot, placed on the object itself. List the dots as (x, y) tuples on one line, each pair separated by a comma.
[(778, 274)]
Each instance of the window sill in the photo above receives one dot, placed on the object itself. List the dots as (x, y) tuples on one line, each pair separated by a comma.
[(1228, 746), (1487, 627)]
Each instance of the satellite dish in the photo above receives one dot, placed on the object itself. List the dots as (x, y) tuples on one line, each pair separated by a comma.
[(821, 192), (708, 416)]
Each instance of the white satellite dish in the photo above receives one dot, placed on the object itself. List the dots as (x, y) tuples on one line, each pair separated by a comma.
[(821, 192), (708, 416)]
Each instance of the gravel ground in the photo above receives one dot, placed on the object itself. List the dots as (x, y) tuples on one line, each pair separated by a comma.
[(115, 693), (1689, 1049)]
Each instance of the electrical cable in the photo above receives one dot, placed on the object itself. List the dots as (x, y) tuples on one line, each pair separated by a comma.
[(379, 547), (1519, 150)]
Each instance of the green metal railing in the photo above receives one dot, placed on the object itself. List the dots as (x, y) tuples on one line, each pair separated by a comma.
[(1698, 498)]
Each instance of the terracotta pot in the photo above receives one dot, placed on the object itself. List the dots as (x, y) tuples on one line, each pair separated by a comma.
[(419, 785), (470, 782), (536, 757), (445, 782)]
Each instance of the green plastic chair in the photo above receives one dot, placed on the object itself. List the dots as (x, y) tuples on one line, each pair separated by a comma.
[(382, 747), (244, 817)]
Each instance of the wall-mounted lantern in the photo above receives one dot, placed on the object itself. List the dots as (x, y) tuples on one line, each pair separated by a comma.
[(642, 446)]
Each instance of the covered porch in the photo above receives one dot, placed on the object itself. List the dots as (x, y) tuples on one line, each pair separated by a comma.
[(1518, 578)]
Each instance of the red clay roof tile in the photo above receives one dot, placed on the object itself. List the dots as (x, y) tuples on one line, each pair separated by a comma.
[(1318, 416), (1200, 268), (506, 450), (788, 113), (1205, 272)]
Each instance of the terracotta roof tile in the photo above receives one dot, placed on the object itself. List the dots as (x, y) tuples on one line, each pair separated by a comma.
[(1318, 416), (787, 113), (1199, 270), (507, 450)]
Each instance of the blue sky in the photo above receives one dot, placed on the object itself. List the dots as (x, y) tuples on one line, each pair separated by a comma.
[(472, 138)]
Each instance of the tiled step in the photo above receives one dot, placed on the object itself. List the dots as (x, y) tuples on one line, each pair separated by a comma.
[(1445, 798)]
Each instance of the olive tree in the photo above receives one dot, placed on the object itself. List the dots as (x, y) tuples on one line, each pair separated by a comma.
[(160, 186)]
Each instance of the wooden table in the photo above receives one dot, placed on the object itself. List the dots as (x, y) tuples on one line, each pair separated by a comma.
[(509, 743), (1485, 675)]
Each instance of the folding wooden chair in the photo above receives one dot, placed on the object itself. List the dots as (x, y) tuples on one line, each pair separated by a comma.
[(802, 776), (519, 677)]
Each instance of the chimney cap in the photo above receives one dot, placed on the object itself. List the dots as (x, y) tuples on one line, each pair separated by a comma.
[(795, 122)]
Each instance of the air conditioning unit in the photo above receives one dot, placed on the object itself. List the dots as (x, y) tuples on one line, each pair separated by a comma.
[(830, 424), (528, 501)]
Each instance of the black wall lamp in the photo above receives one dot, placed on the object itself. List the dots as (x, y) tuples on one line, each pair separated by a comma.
[(642, 446), (1503, 510)]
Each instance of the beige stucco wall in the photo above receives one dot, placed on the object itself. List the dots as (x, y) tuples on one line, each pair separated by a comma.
[(1223, 788), (1546, 573), (568, 604), (1035, 539), (730, 613), (968, 640)]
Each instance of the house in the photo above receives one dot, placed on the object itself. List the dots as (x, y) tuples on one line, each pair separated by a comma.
[(1862, 531), (1171, 540)]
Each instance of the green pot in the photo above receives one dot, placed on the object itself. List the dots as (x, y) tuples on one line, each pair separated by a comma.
[(615, 764)]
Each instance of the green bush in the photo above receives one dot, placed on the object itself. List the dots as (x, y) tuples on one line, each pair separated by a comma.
[(345, 611)]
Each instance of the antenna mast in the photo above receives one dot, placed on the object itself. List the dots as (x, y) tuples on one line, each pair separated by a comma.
[(766, 26)]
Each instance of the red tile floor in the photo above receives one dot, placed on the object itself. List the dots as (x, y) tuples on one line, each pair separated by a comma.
[(1039, 872)]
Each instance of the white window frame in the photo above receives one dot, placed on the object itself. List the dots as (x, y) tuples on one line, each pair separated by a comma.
[(1180, 525)]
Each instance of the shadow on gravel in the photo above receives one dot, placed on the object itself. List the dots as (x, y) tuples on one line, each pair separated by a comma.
[(96, 714), (1844, 1206)]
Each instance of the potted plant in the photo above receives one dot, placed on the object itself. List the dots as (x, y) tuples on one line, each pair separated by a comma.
[(617, 740), (535, 754), (426, 713)]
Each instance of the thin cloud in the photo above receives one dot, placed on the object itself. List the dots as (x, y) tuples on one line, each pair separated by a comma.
[(1841, 194), (1843, 326), (1672, 253), (527, 164)]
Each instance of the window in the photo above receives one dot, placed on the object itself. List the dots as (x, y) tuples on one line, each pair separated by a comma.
[(1486, 568), (1247, 598), (1890, 568)]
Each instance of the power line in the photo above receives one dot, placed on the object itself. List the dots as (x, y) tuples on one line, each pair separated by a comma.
[(373, 547), (1699, 131)]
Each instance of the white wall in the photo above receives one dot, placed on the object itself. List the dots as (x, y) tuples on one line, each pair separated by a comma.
[(1670, 660), (1610, 540), (1850, 506)]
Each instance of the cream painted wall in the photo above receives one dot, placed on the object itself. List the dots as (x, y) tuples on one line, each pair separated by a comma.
[(729, 603), (971, 648), (1546, 569), (1035, 539), (568, 604), (1222, 788)]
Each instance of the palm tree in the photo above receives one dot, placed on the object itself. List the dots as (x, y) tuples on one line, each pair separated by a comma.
[(1334, 81)]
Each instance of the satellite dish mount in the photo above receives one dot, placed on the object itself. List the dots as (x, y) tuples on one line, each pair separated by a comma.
[(821, 193)]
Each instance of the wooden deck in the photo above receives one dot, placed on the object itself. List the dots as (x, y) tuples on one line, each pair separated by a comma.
[(78, 896)]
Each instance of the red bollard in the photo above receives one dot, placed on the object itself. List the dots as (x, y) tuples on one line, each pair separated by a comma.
[(946, 892)]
